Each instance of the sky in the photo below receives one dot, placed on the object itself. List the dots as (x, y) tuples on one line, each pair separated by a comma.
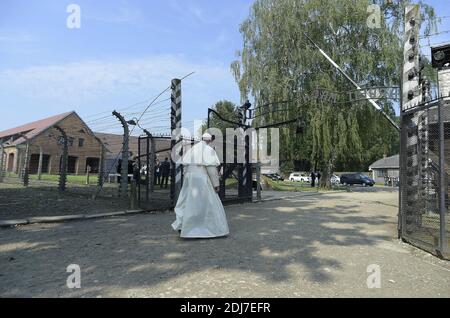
[(124, 53)]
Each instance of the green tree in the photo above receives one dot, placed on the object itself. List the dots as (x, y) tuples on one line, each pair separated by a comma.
[(227, 110), (278, 63)]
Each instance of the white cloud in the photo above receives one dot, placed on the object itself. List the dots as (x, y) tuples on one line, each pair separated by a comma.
[(92, 84), (119, 14), (188, 11), (16, 37)]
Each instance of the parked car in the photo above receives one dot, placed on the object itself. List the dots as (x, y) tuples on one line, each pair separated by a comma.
[(357, 178), (335, 179), (274, 176), (271, 176), (299, 177), (278, 177)]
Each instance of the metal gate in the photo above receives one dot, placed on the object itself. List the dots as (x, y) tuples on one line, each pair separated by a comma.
[(236, 182), (154, 181), (424, 219)]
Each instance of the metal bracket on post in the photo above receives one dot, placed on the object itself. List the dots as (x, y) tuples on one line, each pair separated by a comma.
[(176, 171), (63, 168), (123, 190)]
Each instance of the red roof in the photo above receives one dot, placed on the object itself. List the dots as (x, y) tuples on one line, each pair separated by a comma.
[(33, 129)]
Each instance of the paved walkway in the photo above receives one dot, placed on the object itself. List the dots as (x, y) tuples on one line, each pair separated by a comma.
[(316, 245)]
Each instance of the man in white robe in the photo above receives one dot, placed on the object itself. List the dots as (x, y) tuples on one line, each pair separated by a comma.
[(199, 211)]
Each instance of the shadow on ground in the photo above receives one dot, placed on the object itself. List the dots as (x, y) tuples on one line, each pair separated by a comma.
[(142, 251)]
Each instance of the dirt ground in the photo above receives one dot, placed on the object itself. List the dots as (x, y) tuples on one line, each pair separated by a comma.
[(312, 245), (44, 199)]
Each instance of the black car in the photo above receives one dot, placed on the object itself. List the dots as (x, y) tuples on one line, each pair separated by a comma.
[(357, 178), (278, 177), (273, 176)]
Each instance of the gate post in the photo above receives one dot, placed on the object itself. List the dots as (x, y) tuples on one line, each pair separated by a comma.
[(443, 243), (176, 170)]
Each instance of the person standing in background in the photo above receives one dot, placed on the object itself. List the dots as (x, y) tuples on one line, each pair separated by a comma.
[(165, 173), (157, 180), (313, 179)]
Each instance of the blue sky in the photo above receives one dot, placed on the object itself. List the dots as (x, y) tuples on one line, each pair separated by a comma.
[(125, 52)]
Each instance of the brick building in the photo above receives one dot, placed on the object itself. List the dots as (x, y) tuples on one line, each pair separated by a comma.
[(113, 145), (46, 145)]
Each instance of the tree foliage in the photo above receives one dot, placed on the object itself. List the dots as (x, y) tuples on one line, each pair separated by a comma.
[(227, 110), (278, 63)]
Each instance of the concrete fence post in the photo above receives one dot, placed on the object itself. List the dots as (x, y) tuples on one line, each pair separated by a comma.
[(101, 168), (176, 171), (64, 158), (123, 189), (41, 158)]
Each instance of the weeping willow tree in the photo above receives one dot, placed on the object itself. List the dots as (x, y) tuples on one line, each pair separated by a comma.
[(278, 63)]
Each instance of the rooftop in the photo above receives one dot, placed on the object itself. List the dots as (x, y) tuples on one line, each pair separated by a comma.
[(388, 162)]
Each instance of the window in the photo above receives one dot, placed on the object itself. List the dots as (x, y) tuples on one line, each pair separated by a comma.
[(80, 142), (69, 141), (381, 173)]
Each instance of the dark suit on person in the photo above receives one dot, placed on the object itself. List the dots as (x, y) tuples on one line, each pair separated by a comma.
[(165, 173), (157, 173)]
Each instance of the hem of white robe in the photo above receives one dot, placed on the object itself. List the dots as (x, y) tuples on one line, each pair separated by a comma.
[(204, 236), (178, 226)]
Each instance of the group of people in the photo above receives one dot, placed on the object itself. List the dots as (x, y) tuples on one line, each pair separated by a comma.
[(161, 172), (315, 178)]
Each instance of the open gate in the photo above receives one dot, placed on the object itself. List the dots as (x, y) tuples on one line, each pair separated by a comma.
[(154, 184), (424, 204)]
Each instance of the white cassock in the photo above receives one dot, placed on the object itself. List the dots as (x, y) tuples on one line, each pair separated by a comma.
[(199, 211)]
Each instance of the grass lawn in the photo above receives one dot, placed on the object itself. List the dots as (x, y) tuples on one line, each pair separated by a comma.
[(93, 179)]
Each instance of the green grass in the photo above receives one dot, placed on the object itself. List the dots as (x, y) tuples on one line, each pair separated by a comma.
[(70, 178), (231, 182)]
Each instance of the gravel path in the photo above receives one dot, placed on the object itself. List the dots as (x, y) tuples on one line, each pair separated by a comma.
[(316, 245)]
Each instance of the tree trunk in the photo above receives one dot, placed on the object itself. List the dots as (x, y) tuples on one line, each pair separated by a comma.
[(327, 172)]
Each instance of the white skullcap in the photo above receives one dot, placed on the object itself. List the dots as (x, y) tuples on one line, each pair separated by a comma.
[(207, 137)]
